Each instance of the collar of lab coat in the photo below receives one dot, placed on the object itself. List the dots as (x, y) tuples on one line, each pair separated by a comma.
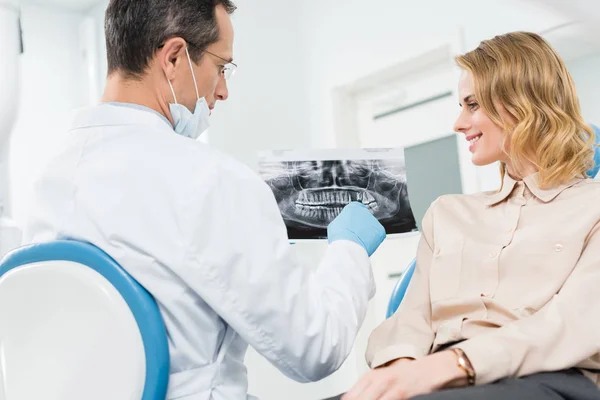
[(115, 115)]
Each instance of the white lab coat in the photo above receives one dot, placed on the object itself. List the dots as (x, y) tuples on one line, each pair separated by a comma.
[(203, 234)]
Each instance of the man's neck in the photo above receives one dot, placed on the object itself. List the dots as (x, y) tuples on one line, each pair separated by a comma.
[(142, 92)]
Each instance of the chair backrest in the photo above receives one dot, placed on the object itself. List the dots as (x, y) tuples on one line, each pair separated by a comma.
[(402, 284), (594, 171), (74, 325), (400, 289)]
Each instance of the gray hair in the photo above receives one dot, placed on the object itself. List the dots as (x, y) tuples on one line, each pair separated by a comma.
[(135, 30)]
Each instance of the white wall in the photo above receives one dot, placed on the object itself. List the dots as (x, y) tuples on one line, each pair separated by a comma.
[(266, 108), (586, 74), (96, 15), (52, 85)]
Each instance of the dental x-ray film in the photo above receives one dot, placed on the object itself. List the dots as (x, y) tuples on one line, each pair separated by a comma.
[(312, 187)]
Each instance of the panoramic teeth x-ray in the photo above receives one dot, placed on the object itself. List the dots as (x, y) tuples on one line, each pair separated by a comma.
[(310, 194)]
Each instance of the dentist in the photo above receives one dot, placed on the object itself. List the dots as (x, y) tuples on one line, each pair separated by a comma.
[(201, 232)]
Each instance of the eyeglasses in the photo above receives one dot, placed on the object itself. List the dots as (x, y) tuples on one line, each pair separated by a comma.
[(229, 67)]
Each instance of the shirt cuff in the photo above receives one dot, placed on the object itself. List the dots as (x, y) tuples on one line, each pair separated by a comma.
[(489, 359), (395, 352), (357, 248)]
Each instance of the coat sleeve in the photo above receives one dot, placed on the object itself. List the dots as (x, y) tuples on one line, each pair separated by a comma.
[(304, 320)]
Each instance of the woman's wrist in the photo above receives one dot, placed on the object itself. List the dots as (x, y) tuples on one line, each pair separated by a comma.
[(446, 367), (465, 364)]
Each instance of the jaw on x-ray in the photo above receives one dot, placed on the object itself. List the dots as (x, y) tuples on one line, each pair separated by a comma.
[(310, 194)]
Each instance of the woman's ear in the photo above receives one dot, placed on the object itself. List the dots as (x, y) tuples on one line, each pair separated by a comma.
[(171, 56)]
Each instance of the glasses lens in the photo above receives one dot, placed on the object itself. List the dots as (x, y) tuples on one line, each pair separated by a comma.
[(229, 71)]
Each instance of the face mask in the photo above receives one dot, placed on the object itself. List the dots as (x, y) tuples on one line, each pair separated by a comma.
[(186, 123)]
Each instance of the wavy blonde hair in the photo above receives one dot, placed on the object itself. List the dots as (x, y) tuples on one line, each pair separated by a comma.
[(522, 73)]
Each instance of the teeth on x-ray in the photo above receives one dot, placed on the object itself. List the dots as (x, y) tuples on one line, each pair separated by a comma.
[(329, 207), (333, 197), (319, 212)]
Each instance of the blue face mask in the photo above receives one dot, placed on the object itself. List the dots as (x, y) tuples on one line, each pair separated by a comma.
[(186, 123)]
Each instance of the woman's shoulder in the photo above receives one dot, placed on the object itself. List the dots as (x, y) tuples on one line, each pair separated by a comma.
[(461, 198), (584, 193), (588, 184)]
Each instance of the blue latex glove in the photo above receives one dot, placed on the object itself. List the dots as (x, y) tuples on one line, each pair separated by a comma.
[(357, 224)]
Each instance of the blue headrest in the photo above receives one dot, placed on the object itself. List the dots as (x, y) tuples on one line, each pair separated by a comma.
[(594, 171)]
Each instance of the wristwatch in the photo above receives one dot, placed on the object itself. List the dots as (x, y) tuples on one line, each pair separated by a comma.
[(465, 365)]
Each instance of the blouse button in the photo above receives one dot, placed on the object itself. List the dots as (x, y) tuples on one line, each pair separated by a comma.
[(558, 247)]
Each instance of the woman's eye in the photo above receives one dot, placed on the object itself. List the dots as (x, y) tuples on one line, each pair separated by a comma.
[(472, 106)]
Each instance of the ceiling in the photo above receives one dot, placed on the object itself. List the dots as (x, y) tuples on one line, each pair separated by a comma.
[(585, 10), (581, 36), (578, 9)]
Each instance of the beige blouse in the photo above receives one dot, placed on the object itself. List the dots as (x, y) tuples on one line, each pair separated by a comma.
[(514, 275)]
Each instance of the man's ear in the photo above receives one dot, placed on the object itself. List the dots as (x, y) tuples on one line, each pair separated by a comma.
[(171, 56)]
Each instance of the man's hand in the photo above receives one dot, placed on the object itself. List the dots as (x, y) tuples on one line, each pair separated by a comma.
[(404, 379), (357, 224)]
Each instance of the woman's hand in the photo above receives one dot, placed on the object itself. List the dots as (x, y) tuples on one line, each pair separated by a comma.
[(405, 378)]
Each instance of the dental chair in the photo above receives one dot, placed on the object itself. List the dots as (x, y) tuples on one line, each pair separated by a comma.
[(400, 289), (75, 326), (402, 284)]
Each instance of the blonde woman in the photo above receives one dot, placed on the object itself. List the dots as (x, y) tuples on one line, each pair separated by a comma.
[(505, 299)]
